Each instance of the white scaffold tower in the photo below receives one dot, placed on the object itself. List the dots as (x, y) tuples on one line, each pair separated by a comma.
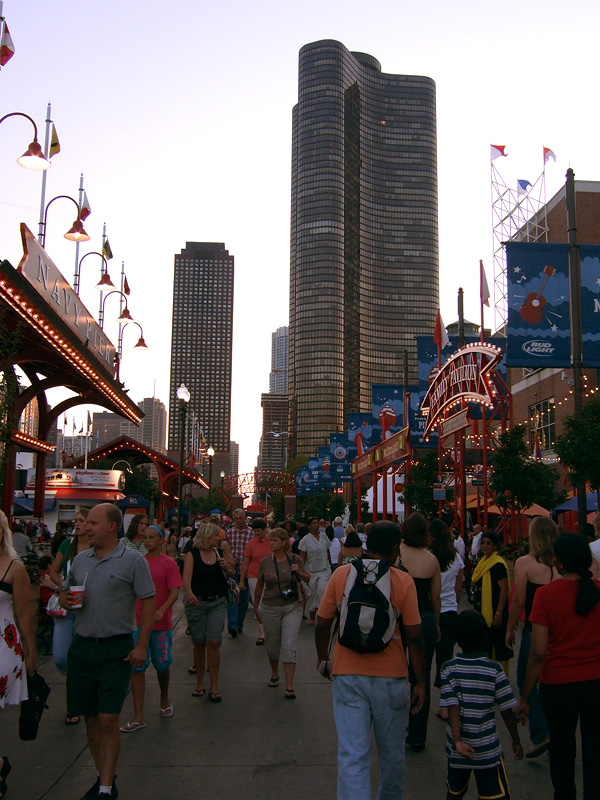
[(518, 214)]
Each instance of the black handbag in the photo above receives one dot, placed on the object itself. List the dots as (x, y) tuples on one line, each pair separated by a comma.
[(33, 708)]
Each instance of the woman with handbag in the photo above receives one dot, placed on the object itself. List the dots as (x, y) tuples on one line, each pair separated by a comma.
[(208, 563), (278, 604), (63, 619), (17, 642)]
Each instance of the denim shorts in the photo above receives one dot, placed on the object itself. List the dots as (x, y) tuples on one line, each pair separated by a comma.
[(206, 620), (159, 651)]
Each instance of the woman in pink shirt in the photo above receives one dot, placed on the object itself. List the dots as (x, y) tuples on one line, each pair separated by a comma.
[(256, 549)]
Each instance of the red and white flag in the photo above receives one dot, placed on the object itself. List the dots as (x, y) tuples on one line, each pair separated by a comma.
[(484, 289), (548, 154), (440, 336), (497, 150), (7, 48), (126, 289), (86, 208)]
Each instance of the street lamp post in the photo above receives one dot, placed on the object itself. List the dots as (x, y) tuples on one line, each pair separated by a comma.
[(222, 493), (183, 396), (210, 453)]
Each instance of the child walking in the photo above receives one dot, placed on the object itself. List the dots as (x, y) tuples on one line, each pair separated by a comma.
[(472, 684)]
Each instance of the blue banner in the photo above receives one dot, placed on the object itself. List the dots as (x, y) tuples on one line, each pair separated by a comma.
[(537, 279), (364, 431), (590, 304)]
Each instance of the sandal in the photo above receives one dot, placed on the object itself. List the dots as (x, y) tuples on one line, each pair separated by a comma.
[(166, 712), (290, 694), (4, 771), (215, 697), (198, 692), (72, 719), (192, 670), (537, 749), (273, 683), (130, 727), (260, 641)]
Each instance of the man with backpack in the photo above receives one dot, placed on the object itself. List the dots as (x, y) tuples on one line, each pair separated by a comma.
[(369, 668)]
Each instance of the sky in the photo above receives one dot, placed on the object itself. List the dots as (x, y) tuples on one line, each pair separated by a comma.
[(179, 116)]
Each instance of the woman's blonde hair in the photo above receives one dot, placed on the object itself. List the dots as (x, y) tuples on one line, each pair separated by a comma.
[(203, 534), (6, 543), (349, 529), (542, 533), (283, 535)]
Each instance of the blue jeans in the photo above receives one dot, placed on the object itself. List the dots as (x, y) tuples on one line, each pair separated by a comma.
[(61, 640), (359, 702), (236, 612), (538, 729)]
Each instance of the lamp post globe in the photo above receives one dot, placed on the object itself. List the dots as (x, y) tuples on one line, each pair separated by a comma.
[(210, 453)]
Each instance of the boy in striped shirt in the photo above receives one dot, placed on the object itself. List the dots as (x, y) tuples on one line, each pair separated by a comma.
[(472, 684)]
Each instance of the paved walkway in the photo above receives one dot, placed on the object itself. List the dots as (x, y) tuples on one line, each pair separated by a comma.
[(252, 745)]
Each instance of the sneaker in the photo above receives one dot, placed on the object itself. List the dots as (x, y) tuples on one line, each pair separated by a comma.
[(114, 793), (233, 633), (92, 792)]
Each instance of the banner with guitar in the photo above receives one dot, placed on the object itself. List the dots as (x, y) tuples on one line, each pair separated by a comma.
[(537, 278)]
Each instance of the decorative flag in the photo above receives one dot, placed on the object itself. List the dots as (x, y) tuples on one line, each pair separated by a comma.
[(89, 422), (54, 143), (106, 251), (65, 423), (81, 429), (522, 186), (548, 154), (126, 289), (86, 208), (73, 425), (484, 291), (7, 48), (537, 450), (440, 336), (497, 150)]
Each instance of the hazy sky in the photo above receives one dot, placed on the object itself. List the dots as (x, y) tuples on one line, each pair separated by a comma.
[(179, 116)]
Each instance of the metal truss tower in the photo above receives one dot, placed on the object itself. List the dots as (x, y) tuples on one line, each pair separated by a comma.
[(518, 214)]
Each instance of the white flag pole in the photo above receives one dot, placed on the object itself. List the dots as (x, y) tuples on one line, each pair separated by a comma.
[(46, 151), (77, 278)]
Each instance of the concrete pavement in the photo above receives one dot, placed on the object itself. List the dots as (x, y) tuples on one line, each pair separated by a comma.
[(253, 745)]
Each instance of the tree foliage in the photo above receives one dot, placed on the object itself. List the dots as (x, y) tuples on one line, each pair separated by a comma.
[(295, 463), (418, 486), (518, 482), (578, 446)]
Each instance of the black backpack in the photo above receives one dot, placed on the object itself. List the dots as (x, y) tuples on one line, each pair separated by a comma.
[(367, 618)]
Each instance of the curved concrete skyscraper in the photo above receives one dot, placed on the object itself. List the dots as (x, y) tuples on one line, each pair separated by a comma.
[(364, 241)]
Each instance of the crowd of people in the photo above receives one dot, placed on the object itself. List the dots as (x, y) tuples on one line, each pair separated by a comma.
[(384, 601)]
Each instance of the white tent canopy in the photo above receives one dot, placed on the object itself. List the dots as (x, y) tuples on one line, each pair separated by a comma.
[(392, 497)]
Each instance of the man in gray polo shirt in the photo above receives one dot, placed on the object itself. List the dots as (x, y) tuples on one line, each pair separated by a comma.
[(102, 653)]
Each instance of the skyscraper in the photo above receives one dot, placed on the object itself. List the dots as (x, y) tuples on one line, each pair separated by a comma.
[(278, 377), (364, 242), (201, 341)]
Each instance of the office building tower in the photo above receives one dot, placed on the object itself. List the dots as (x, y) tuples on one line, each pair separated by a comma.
[(152, 430), (234, 459), (274, 440), (201, 341), (364, 241), (106, 427), (278, 377)]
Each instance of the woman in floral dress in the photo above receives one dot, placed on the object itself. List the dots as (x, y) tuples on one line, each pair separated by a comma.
[(17, 643)]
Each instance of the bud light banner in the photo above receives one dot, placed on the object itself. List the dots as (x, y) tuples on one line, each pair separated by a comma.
[(537, 278), (590, 304)]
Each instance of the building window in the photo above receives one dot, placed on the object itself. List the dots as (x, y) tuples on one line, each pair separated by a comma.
[(541, 424)]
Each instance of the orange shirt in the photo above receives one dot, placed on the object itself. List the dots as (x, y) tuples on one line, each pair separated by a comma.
[(391, 662)]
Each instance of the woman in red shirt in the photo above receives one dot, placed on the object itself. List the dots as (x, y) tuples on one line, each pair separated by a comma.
[(565, 657)]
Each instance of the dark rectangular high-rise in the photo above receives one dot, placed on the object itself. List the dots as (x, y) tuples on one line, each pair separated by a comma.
[(364, 239), (201, 340)]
